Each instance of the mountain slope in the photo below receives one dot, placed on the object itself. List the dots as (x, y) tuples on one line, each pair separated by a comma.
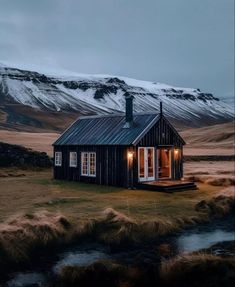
[(99, 94)]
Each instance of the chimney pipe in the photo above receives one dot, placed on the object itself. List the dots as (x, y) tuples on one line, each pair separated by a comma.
[(129, 110), (160, 108)]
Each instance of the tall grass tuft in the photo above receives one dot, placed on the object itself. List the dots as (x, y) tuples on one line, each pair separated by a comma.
[(25, 236), (217, 206), (198, 270), (115, 228), (101, 273), (215, 181)]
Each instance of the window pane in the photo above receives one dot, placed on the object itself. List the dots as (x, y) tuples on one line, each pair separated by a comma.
[(73, 159), (150, 162), (58, 158), (88, 163), (141, 162), (84, 163), (92, 163)]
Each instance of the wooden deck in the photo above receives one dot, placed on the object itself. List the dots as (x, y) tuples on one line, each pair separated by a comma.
[(167, 185)]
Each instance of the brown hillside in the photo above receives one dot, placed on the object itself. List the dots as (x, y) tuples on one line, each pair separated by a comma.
[(211, 140)]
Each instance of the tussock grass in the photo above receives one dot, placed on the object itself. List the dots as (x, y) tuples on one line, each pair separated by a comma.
[(187, 270), (198, 270), (115, 216), (102, 273), (159, 227), (115, 228), (217, 206), (215, 181), (23, 237)]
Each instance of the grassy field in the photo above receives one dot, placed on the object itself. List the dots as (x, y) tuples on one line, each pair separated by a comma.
[(23, 191)]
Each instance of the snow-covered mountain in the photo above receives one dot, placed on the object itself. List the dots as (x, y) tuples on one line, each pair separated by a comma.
[(102, 94)]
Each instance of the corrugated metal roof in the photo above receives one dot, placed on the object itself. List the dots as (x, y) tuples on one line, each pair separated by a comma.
[(106, 130)]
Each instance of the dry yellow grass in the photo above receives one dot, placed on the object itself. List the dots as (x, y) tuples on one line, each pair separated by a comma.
[(39, 213), (21, 234), (38, 191), (211, 140)]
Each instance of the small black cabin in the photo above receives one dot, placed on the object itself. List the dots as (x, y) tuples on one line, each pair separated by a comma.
[(128, 150)]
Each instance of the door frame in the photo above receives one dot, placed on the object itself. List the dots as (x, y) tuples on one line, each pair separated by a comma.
[(146, 177)]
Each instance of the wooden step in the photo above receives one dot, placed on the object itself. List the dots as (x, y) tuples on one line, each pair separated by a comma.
[(168, 188)]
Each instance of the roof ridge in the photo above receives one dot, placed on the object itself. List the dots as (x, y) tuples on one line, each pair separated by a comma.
[(121, 114)]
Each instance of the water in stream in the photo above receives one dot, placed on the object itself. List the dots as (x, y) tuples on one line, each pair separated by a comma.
[(202, 236)]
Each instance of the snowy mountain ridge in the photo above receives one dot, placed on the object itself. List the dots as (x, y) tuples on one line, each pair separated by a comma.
[(102, 94)]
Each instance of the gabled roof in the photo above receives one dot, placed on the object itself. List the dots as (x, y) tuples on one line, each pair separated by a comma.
[(107, 130)]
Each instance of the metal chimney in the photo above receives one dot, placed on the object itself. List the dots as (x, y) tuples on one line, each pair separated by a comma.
[(129, 110), (160, 108)]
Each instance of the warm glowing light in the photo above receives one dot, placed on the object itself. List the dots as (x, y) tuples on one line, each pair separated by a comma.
[(130, 154), (176, 151)]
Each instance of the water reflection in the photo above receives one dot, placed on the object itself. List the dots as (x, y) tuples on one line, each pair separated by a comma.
[(79, 258), (27, 279), (197, 241)]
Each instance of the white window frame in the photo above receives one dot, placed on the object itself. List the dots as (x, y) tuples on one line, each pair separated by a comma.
[(73, 160), (58, 158), (88, 156), (82, 163), (94, 158)]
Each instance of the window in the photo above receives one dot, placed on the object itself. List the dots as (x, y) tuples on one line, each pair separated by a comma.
[(88, 163), (58, 158), (73, 159), (92, 163), (84, 162)]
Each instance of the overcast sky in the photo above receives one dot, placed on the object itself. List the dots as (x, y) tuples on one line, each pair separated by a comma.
[(186, 43)]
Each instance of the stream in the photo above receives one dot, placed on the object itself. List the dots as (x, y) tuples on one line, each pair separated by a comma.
[(189, 240)]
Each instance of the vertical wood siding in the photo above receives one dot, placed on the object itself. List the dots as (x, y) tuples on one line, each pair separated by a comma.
[(111, 165), (160, 135)]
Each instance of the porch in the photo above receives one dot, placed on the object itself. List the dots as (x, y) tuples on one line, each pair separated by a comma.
[(167, 185)]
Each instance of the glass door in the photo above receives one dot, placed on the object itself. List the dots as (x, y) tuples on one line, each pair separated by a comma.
[(146, 164), (164, 163)]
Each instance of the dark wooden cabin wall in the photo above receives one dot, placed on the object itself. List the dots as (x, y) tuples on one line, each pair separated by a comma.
[(177, 165), (161, 134), (111, 165)]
